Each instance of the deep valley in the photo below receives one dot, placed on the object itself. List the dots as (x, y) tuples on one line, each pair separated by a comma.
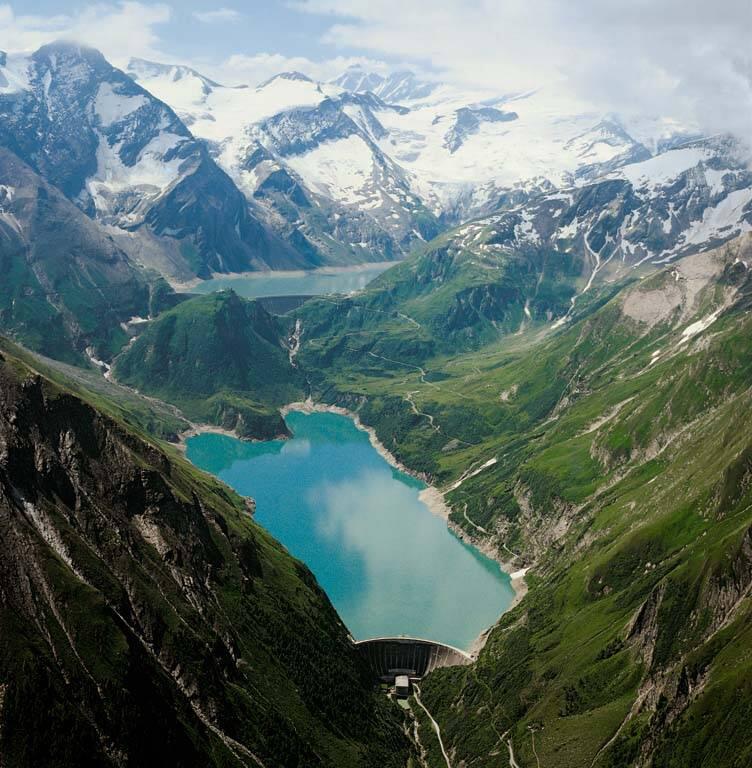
[(290, 366)]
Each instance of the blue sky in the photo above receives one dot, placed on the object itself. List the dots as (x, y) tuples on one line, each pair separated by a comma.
[(206, 30), (233, 42)]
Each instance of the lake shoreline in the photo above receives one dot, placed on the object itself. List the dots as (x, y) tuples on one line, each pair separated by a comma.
[(187, 286), (433, 498), (430, 495), (196, 429)]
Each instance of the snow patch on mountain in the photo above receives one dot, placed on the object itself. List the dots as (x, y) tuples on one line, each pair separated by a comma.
[(14, 73), (662, 168), (545, 143), (391, 146), (282, 94), (181, 87), (224, 113), (148, 177), (375, 153), (223, 116), (730, 217), (341, 169), (112, 106), (292, 142)]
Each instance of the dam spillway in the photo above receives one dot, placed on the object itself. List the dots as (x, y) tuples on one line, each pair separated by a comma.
[(389, 657)]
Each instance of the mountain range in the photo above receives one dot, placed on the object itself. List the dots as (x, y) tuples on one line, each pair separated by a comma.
[(561, 349), (190, 177)]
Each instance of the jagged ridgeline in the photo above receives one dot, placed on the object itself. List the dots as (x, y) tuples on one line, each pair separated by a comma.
[(145, 619)]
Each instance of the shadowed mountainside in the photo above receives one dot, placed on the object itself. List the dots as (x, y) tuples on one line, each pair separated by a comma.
[(146, 620)]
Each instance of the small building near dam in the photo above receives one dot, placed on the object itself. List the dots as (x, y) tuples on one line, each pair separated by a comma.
[(402, 686), (391, 658)]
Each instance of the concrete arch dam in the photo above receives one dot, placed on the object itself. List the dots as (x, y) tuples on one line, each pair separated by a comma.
[(415, 657)]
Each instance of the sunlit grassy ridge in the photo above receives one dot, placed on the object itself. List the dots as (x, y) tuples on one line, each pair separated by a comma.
[(221, 359), (622, 474)]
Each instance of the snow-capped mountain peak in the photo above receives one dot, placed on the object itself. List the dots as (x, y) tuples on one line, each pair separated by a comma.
[(399, 87), (127, 160), (358, 80), (142, 68), (292, 76), (386, 148), (196, 87)]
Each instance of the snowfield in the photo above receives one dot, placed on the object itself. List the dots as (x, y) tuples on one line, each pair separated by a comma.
[(150, 175), (723, 220), (112, 107), (550, 140), (664, 167), (14, 74), (340, 169)]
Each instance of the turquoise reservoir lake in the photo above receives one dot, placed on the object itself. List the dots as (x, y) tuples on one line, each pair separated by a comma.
[(319, 282), (389, 565)]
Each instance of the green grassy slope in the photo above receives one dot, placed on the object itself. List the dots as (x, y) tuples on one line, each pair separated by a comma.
[(65, 285), (221, 359), (621, 475), (460, 293), (145, 619), (633, 505), (141, 414), (632, 640)]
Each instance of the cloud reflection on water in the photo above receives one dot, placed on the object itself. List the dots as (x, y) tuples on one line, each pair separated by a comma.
[(388, 565)]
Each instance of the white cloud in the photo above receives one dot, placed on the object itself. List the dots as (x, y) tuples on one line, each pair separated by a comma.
[(118, 30), (218, 15), (688, 59), (255, 69)]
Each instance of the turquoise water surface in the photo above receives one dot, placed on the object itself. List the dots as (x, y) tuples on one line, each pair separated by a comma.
[(389, 565), (313, 283)]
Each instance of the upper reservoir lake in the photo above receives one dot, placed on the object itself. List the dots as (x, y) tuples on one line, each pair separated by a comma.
[(319, 282), (389, 565)]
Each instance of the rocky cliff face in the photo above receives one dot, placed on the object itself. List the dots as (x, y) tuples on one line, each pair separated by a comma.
[(66, 286), (365, 207), (146, 620), (126, 159)]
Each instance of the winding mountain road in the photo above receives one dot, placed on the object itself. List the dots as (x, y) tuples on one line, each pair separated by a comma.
[(416, 693)]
